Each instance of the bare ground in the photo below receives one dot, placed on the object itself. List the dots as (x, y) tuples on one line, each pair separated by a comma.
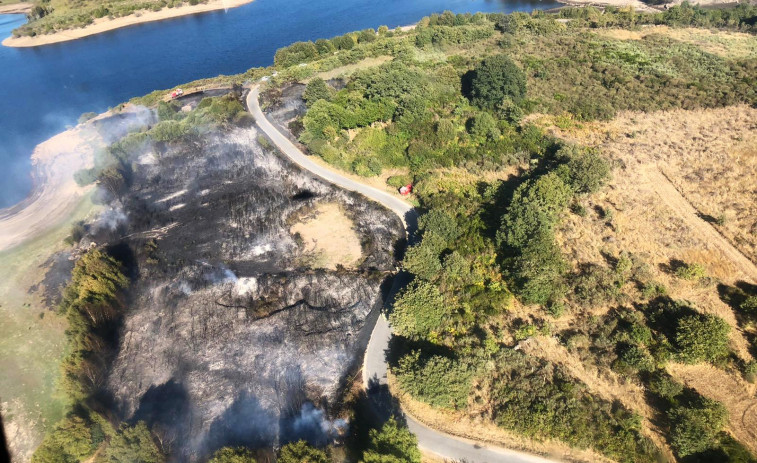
[(330, 237)]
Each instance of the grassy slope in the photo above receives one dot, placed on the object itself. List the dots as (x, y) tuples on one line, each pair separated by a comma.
[(31, 345)]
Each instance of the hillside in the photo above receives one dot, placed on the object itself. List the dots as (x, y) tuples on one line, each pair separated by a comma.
[(586, 186), (582, 283)]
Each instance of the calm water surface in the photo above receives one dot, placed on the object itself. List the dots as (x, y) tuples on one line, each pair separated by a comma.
[(46, 88)]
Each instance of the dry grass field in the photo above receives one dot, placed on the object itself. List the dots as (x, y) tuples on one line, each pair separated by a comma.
[(674, 174)]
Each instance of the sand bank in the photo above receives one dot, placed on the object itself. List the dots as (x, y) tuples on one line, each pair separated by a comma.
[(16, 8), (55, 194), (106, 24)]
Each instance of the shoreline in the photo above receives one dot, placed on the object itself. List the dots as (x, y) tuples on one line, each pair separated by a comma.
[(54, 192), (16, 8), (104, 24)]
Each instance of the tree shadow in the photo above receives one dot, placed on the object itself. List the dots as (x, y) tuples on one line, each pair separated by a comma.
[(166, 410), (246, 423)]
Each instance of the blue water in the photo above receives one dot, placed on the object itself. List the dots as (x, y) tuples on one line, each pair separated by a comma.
[(46, 88)]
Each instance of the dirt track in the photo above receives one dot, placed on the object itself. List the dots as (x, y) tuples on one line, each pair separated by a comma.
[(674, 200)]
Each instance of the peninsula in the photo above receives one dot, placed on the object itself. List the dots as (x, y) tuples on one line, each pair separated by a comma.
[(51, 32)]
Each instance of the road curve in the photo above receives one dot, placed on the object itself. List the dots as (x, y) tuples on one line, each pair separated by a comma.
[(374, 363)]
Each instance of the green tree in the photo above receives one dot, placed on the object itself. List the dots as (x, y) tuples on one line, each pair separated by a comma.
[(702, 338), (392, 444), (233, 455), (133, 444), (302, 452), (534, 209), (423, 259), (71, 441), (584, 170), (324, 46), (495, 79), (296, 53), (694, 430), (484, 127), (418, 311), (317, 89)]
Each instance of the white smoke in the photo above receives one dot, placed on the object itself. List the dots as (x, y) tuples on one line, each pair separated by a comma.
[(111, 218), (312, 425)]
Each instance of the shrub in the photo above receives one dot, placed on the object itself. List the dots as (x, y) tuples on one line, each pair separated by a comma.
[(317, 89), (391, 444), (437, 380), (301, 452), (496, 79), (233, 455), (694, 430), (71, 441), (702, 338), (665, 386), (690, 272), (296, 53), (418, 311), (750, 371), (398, 181), (534, 209), (422, 259), (133, 444), (583, 170)]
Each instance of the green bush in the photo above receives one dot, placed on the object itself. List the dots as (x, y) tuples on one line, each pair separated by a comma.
[(437, 380), (419, 311), (317, 89), (233, 455), (702, 338), (133, 444), (301, 452), (583, 170), (496, 79), (398, 181), (694, 430), (391, 444), (296, 53), (691, 272)]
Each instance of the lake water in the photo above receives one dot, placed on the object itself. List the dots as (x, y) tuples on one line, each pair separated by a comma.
[(44, 89)]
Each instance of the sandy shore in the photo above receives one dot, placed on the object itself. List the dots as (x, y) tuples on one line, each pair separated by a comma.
[(55, 194), (105, 24), (16, 8)]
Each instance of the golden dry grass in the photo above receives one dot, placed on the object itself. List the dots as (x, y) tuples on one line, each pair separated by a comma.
[(670, 167), (329, 238)]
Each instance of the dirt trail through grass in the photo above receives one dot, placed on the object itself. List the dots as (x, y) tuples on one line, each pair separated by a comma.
[(674, 200)]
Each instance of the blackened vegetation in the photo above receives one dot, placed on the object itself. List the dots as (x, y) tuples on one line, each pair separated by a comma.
[(226, 340)]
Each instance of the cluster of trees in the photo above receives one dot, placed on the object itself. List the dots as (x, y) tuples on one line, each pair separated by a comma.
[(304, 52), (741, 16), (93, 304), (531, 257), (392, 443)]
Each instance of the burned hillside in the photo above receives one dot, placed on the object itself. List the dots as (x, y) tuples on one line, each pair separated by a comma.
[(229, 338)]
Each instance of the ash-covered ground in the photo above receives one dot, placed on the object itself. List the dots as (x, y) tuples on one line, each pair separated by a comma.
[(226, 341)]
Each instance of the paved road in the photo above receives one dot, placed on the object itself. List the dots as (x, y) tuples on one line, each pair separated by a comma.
[(374, 364)]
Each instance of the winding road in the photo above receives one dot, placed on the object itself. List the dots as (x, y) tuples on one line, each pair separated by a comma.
[(374, 363)]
